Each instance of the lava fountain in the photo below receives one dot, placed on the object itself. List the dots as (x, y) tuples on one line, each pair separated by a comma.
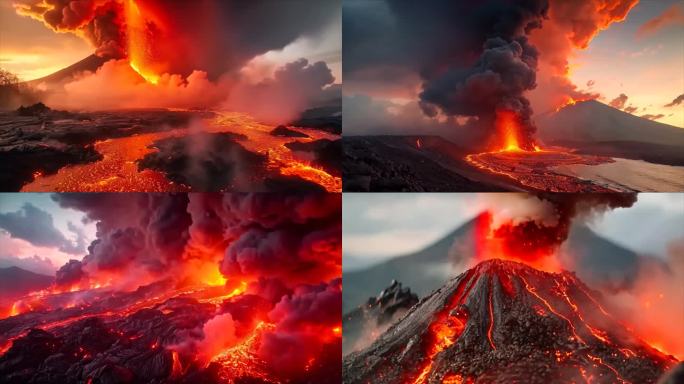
[(521, 159), (140, 34)]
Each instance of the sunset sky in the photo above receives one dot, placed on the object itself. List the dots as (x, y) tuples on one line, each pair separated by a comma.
[(31, 50), (646, 64)]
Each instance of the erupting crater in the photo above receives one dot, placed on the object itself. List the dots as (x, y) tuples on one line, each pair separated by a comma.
[(520, 158), (506, 322)]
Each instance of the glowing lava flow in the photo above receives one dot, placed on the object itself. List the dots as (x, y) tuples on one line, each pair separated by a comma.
[(491, 317), (241, 360), (446, 328), (534, 293), (118, 170)]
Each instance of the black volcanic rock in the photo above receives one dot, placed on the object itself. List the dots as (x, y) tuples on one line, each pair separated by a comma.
[(20, 163), (505, 322), (207, 162), (325, 118), (396, 164), (326, 153), (369, 320), (283, 131), (108, 343)]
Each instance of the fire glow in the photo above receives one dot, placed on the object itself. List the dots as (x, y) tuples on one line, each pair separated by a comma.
[(198, 312)]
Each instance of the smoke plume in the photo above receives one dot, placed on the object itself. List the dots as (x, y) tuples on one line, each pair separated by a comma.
[(531, 228)]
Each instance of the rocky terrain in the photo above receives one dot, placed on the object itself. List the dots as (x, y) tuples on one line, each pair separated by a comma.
[(505, 322)]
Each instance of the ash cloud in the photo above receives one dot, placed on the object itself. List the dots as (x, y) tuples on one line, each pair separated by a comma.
[(466, 59), (230, 34), (36, 226), (547, 217), (140, 235), (99, 22), (472, 58)]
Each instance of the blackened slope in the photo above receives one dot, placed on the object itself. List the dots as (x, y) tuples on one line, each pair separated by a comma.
[(498, 323)]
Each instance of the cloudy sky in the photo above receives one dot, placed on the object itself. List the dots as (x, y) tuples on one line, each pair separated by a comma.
[(38, 235), (641, 58), (382, 225), (31, 50)]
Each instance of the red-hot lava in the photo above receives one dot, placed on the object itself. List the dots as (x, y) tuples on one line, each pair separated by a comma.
[(498, 322), (527, 163), (207, 298)]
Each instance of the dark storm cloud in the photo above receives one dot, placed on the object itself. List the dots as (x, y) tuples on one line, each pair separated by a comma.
[(472, 57), (36, 226), (677, 101)]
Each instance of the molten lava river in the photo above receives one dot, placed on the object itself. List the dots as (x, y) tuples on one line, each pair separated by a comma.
[(93, 327), (119, 171)]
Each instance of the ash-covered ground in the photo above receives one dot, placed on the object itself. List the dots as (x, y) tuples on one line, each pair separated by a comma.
[(164, 150), (434, 164), (505, 322)]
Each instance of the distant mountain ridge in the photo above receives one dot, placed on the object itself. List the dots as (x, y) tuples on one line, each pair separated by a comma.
[(89, 64), (593, 121), (599, 262), (16, 282)]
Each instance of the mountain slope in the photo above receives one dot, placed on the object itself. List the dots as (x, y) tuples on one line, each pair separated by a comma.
[(505, 322), (15, 282), (90, 64), (591, 121), (600, 263)]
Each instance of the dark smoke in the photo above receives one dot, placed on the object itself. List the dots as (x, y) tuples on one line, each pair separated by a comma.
[(139, 233), (101, 22), (213, 36), (473, 57)]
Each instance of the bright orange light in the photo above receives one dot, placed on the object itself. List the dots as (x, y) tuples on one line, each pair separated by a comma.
[(139, 55), (508, 127), (337, 330)]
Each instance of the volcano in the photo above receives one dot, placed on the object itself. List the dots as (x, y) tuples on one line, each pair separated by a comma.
[(506, 322)]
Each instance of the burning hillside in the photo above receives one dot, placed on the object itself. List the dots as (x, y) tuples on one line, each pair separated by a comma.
[(188, 288), (501, 321)]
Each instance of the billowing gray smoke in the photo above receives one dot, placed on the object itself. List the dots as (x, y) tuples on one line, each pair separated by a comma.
[(473, 57)]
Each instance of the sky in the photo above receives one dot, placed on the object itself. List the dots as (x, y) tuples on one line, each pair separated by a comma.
[(31, 50), (648, 67), (35, 232), (641, 58), (379, 226)]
